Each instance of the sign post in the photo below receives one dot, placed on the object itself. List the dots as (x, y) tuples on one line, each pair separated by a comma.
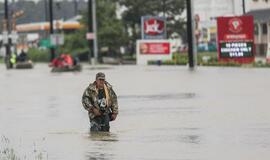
[(153, 45)]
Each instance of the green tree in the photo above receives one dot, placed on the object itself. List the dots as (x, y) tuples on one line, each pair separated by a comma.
[(75, 43), (111, 33), (110, 30), (171, 9)]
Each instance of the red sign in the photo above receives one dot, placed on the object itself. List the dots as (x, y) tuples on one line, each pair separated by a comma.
[(159, 48), (153, 26), (236, 39)]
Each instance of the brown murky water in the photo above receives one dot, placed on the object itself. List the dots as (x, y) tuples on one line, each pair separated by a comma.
[(166, 112)]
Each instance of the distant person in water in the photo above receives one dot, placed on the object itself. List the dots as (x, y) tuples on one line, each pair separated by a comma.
[(100, 100), (22, 57)]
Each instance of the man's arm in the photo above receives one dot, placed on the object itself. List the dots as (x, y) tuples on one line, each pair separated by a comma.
[(87, 102), (114, 106)]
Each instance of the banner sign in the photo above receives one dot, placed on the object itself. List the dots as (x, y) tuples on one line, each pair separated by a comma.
[(153, 50), (153, 27), (236, 39)]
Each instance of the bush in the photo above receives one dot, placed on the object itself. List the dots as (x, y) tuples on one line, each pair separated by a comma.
[(39, 55), (204, 59)]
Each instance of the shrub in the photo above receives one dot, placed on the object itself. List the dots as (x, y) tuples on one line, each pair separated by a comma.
[(39, 55)]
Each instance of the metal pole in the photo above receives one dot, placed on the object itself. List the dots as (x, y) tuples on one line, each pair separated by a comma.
[(51, 27), (75, 7), (244, 6), (164, 7), (90, 30), (95, 31), (6, 23), (46, 10), (190, 34)]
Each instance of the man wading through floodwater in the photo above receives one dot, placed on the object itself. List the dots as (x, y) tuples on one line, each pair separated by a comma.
[(100, 101)]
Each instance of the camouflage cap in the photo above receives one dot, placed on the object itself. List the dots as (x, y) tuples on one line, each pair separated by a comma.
[(100, 75)]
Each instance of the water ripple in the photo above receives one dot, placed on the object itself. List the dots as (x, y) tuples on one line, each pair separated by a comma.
[(160, 96)]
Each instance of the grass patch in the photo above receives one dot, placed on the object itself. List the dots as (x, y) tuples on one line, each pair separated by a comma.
[(205, 59), (7, 152)]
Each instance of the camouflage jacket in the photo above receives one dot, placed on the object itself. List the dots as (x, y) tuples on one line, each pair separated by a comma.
[(90, 99)]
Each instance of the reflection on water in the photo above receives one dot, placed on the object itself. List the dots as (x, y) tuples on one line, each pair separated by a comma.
[(257, 135), (102, 146), (195, 139), (159, 96), (97, 156), (103, 136)]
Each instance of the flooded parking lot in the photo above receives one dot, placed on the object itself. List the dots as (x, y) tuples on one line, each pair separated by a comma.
[(166, 112)]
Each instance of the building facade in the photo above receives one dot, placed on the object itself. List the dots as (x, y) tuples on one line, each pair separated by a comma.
[(208, 11), (260, 10), (257, 4)]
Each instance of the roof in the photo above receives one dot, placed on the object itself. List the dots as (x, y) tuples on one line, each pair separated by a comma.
[(262, 15), (46, 26)]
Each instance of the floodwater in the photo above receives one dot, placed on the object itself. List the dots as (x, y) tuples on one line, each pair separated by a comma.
[(166, 112)]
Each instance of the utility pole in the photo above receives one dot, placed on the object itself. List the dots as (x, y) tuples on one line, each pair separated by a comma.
[(244, 6), (95, 31), (46, 10), (75, 7), (6, 32), (190, 34), (51, 28), (90, 31), (164, 7)]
